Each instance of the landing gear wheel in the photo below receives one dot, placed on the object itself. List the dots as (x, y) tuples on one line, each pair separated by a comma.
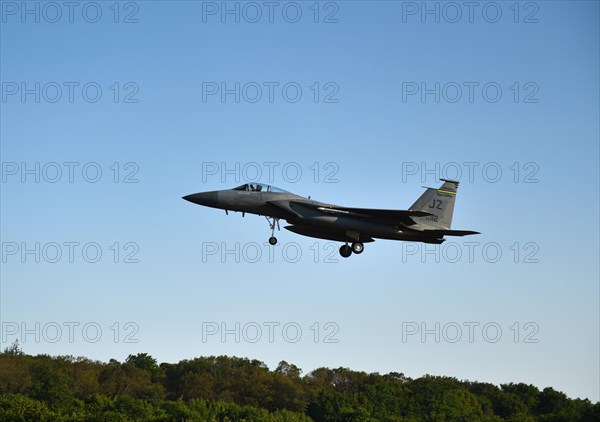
[(273, 222), (358, 247), (345, 251)]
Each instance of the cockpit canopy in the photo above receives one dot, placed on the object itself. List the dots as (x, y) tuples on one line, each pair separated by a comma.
[(259, 187)]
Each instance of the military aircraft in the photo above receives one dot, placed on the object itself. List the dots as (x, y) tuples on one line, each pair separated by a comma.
[(428, 219)]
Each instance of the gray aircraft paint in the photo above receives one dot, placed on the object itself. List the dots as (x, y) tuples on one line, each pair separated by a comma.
[(428, 220), (440, 203)]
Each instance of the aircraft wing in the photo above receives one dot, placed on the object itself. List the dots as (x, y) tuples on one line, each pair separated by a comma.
[(394, 217), (450, 232)]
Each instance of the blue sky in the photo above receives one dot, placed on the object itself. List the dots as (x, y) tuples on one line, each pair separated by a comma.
[(528, 107)]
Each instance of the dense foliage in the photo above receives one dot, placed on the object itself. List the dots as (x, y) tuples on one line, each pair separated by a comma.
[(225, 388)]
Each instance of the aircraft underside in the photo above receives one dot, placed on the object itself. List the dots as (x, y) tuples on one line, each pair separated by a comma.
[(357, 239), (353, 232)]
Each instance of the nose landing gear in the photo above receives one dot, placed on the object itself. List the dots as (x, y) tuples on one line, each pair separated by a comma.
[(273, 222)]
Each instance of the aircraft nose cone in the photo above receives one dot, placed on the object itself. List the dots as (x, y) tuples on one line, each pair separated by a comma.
[(208, 199)]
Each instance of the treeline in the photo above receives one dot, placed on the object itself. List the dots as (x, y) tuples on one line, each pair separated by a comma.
[(65, 388)]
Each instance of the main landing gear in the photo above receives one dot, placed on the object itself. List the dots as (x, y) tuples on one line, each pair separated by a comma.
[(273, 222), (357, 248)]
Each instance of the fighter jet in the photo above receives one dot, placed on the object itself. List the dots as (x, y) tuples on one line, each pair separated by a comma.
[(427, 220)]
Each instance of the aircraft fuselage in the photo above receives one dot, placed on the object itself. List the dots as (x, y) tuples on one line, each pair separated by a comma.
[(321, 220)]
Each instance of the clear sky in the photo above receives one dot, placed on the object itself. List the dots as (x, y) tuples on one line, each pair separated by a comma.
[(110, 112)]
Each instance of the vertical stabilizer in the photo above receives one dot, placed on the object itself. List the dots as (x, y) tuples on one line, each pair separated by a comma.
[(440, 203)]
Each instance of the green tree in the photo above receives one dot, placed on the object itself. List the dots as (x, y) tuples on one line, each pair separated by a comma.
[(49, 385), (222, 388), (14, 349)]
